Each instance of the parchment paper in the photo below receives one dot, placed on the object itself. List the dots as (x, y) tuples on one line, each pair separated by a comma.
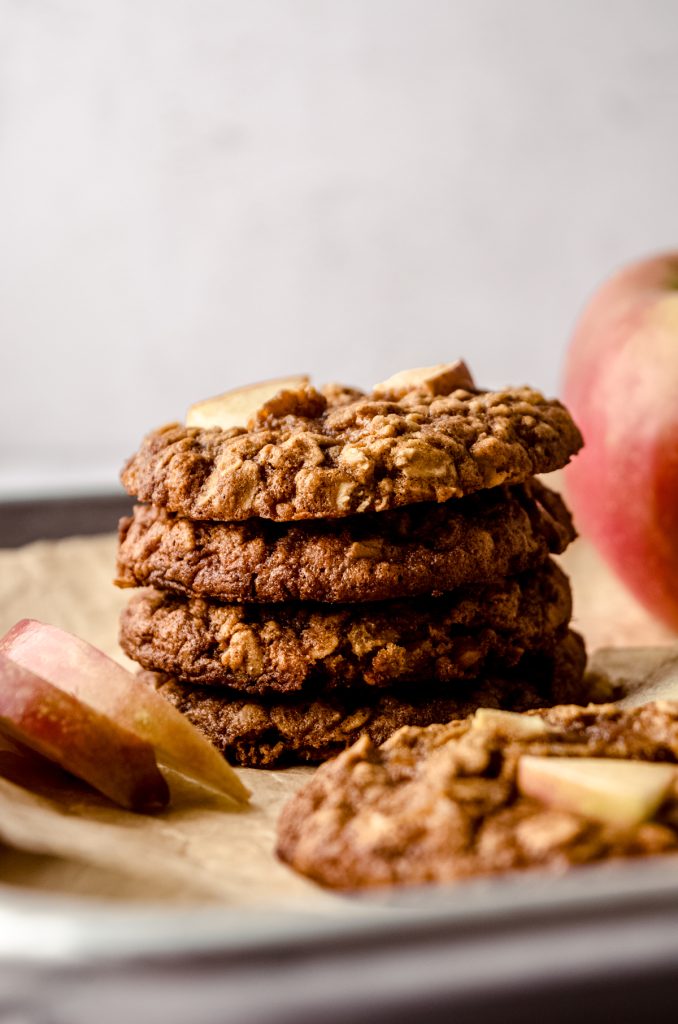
[(59, 836)]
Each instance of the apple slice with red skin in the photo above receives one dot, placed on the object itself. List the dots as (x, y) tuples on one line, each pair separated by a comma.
[(87, 744), (89, 675), (28, 769)]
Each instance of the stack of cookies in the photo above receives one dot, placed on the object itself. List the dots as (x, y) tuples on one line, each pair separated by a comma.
[(349, 563)]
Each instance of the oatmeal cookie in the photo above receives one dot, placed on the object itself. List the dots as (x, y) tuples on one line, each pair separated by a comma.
[(293, 647), (423, 549), (260, 733), (441, 803), (308, 455)]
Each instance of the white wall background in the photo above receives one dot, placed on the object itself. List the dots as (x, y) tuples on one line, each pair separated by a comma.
[(195, 194)]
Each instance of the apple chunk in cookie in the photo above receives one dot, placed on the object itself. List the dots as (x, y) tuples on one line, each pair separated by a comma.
[(611, 790), (442, 379), (237, 407), (85, 743), (509, 723)]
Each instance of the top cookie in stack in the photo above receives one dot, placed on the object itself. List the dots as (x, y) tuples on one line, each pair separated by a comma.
[(346, 563)]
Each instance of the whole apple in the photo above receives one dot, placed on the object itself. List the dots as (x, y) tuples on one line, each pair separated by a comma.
[(621, 385)]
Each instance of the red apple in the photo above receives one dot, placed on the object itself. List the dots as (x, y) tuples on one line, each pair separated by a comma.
[(621, 385), (90, 676), (87, 744)]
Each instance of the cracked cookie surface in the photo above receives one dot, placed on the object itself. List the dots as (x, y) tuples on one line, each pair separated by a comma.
[(417, 550), (270, 733), (440, 803), (312, 454), (307, 647)]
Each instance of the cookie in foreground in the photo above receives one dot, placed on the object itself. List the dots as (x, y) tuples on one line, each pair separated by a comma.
[(492, 793)]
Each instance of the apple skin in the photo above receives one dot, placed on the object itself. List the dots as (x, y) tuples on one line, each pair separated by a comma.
[(621, 386), (90, 676), (59, 727)]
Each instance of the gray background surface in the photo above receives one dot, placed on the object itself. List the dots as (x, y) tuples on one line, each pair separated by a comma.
[(197, 194)]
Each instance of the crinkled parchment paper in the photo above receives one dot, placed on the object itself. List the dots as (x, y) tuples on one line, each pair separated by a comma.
[(59, 836)]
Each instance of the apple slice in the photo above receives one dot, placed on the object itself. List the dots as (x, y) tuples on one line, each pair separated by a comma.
[(610, 790), (89, 675), (235, 408), (509, 723), (442, 379), (79, 739)]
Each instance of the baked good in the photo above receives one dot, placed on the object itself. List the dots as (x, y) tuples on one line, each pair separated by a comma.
[(422, 549), (268, 733), (447, 802), (308, 454), (288, 648), (325, 564)]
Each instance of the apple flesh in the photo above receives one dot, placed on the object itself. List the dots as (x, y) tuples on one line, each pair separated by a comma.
[(87, 744), (621, 385), (609, 790), (442, 379), (237, 407), (86, 673), (509, 723)]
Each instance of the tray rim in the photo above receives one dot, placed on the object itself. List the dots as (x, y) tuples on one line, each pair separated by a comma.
[(52, 929)]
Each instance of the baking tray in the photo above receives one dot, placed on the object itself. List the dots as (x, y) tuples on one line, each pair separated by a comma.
[(480, 951), (599, 943)]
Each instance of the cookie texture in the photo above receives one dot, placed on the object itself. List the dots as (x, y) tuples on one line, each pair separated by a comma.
[(440, 803), (260, 733), (309, 647), (311, 455), (422, 549)]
